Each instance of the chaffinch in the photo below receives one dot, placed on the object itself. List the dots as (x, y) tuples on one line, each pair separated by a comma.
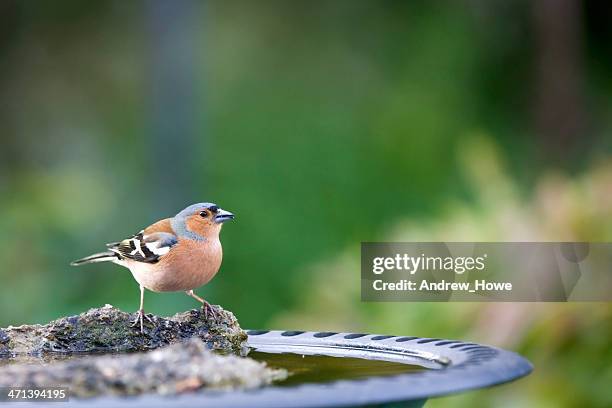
[(175, 254)]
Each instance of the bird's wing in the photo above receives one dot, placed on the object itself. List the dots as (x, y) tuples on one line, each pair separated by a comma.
[(144, 247)]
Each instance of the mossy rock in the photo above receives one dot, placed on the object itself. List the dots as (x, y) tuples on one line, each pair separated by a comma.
[(108, 329)]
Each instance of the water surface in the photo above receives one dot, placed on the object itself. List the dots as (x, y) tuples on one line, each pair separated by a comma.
[(317, 369)]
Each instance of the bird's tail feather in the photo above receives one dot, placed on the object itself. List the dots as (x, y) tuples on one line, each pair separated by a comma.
[(107, 256)]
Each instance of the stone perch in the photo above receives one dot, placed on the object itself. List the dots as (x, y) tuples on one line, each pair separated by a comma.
[(108, 329), (175, 369), (175, 354)]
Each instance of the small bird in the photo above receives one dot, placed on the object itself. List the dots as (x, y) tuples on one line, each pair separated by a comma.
[(174, 254)]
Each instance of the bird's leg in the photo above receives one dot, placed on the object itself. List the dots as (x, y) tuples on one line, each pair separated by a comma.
[(209, 311), (141, 313)]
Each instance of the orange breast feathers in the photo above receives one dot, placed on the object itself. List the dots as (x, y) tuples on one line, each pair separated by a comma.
[(193, 263)]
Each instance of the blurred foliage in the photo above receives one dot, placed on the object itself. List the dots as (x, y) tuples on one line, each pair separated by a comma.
[(320, 124), (569, 343)]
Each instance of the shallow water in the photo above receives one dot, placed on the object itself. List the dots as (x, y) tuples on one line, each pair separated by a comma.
[(318, 369)]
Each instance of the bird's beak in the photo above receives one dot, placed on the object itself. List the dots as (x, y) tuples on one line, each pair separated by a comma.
[(221, 216)]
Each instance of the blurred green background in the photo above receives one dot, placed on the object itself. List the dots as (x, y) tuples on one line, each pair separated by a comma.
[(321, 124)]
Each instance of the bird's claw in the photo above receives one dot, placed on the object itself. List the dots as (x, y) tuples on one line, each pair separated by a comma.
[(140, 316), (209, 310)]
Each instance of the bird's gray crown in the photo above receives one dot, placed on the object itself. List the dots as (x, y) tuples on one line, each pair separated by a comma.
[(193, 208)]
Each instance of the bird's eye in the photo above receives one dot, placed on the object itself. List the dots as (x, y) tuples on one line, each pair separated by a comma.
[(204, 214)]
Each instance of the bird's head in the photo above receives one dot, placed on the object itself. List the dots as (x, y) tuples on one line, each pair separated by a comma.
[(204, 219)]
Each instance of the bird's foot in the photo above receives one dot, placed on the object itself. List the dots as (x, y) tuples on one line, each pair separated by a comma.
[(140, 320), (209, 310)]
